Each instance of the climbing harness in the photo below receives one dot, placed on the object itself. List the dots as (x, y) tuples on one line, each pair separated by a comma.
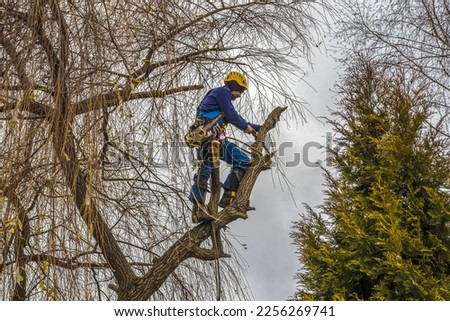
[(201, 130)]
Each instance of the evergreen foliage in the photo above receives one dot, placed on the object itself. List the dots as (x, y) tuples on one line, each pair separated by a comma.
[(382, 232)]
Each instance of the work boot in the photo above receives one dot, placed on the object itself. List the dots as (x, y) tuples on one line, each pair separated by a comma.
[(200, 213), (227, 198), (232, 184)]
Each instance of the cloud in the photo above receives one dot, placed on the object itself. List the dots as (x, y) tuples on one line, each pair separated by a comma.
[(270, 256)]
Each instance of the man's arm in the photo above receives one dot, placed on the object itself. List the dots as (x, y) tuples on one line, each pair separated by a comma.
[(231, 115)]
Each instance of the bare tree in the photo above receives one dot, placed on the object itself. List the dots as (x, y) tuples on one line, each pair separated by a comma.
[(413, 35), (95, 98)]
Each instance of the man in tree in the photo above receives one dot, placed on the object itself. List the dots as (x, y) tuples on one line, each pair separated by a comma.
[(94, 72), (219, 101)]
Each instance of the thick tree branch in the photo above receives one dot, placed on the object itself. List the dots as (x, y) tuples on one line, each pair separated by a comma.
[(77, 180), (19, 64), (117, 97), (34, 107), (208, 254), (188, 245), (64, 144)]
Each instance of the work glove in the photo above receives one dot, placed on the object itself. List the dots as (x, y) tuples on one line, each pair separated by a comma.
[(250, 130)]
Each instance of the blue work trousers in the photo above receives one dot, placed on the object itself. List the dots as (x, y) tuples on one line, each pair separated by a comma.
[(230, 153)]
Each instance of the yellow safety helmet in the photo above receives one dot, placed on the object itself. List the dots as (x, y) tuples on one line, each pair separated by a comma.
[(238, 77)]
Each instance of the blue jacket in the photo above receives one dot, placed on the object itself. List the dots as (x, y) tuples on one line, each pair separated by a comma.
[(218, 101)]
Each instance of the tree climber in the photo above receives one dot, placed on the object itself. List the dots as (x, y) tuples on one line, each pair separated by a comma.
[(216, 102)]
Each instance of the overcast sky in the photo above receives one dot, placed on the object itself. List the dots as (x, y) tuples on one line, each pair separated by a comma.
[(270, 256)]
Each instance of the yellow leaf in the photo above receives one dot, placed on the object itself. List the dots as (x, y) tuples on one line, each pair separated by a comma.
[(41, 285), (19, 277), (136, 81), (66, 156), (45, 267), (51, 293), (12, 122)]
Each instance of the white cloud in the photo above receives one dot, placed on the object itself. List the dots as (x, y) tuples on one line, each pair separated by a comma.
[(270, 256)]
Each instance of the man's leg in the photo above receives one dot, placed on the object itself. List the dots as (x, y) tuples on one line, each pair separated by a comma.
[(239, 162), (200, 188)]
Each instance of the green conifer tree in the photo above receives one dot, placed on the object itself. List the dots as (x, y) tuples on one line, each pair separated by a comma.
[(383, 230)]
